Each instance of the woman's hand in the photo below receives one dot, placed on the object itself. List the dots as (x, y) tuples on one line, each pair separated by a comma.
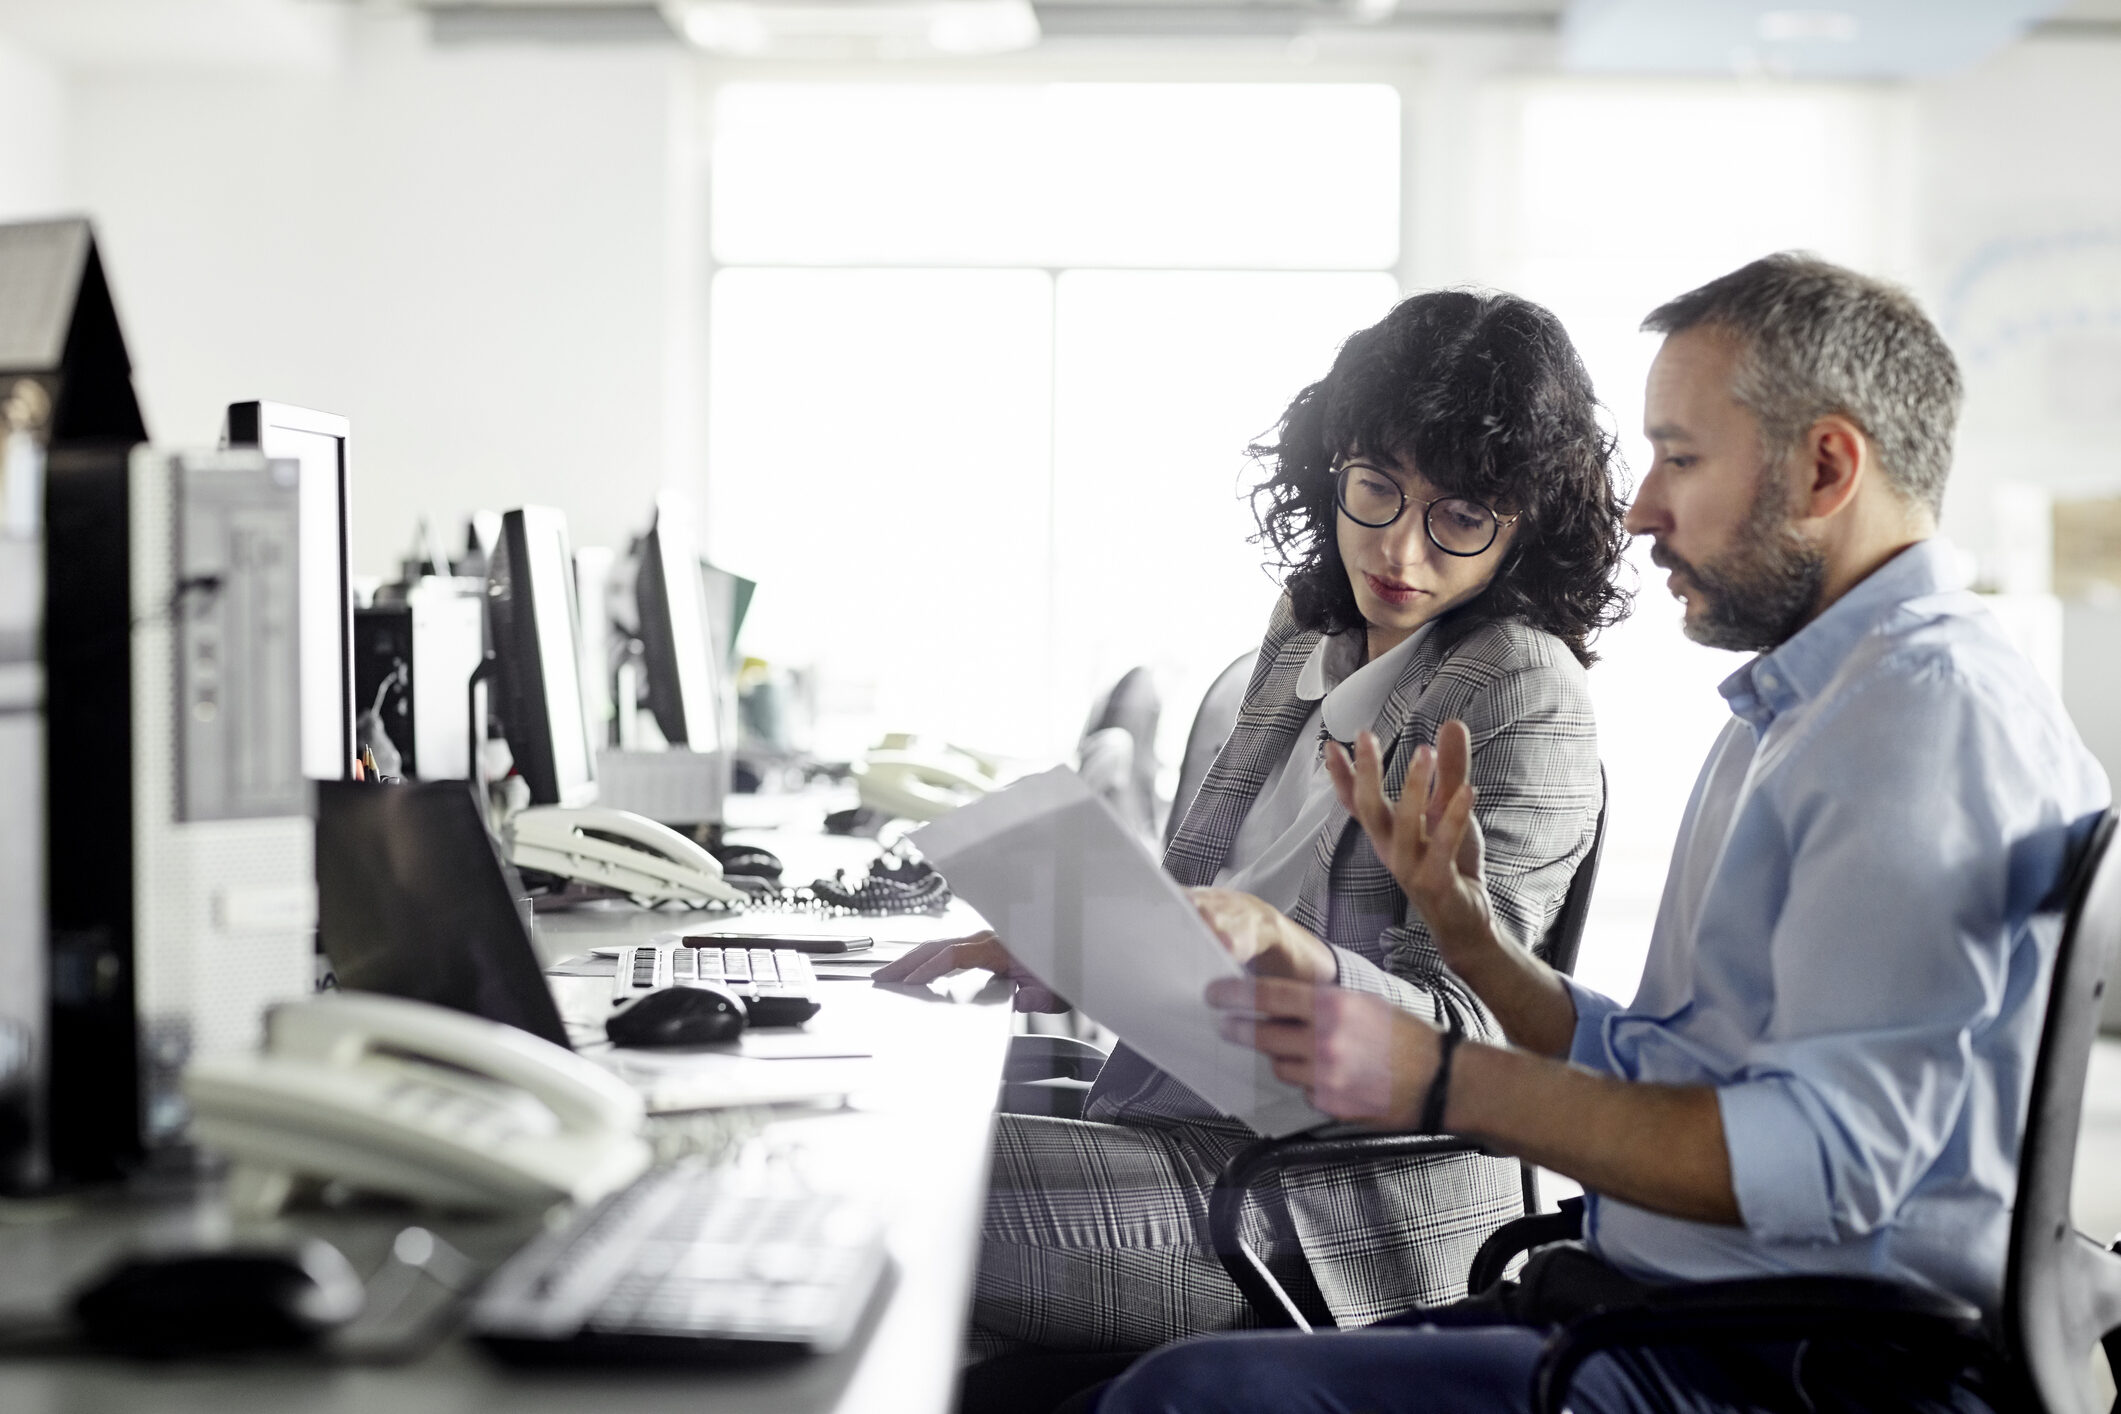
[(1429, 838), (929, 961), (1262, 938), (1356, 1056)]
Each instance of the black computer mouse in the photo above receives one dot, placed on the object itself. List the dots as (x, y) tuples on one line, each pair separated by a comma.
[(220, 1302), (747, 862), (691, 1015)]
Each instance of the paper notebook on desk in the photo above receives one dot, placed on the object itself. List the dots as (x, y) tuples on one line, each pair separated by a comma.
[(1081, 903)]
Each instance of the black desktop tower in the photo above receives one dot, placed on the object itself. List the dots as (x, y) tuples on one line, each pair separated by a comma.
[(94, 1115), (22, 882), (66, 402)]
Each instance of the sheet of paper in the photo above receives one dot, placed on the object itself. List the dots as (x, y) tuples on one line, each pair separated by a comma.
[(1079, 901)]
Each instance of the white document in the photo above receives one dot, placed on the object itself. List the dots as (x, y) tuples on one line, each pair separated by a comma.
[(1081, 903)]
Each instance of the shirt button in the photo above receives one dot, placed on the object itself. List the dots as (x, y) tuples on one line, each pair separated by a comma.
[(1768, 680)]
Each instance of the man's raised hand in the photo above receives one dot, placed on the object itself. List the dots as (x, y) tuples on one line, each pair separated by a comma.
[(1428, 838)]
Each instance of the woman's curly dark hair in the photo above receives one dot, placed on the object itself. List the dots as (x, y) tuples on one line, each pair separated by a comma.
[(1484, 395)]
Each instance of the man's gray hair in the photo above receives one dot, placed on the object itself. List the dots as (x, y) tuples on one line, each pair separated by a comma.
[(1818, 339)]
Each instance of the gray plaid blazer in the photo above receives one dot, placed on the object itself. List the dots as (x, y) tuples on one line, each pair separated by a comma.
[(1382, 1237)]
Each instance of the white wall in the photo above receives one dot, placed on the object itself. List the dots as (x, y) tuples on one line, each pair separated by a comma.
[(2020, 248), (33, 120), (480, 257)]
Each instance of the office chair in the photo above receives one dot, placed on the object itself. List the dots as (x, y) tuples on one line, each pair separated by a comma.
[(1347, 1145), (1116, 760), (1048, 1074), (2061, 1289), (1212, 725), (1117, 753)]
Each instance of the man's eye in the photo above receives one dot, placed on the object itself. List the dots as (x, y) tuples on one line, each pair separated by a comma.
[(1377, 486)]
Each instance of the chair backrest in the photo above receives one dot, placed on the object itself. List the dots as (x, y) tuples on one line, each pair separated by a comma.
[(1117, 754), (2062, 1291), (1132, 704), (1212, 726), (1565, 938)]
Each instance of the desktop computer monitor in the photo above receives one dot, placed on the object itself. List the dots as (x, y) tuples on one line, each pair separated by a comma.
[(536, 632), (677, 639), (324, 601), (414, 900)]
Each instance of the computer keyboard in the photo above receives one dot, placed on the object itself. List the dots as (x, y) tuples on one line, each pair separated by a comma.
[(775, 983), (698, 1263)]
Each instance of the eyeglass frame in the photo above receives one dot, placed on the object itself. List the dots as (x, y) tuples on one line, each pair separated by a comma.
[(1340, 504)]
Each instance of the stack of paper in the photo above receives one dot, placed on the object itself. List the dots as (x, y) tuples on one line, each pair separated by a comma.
[(1077, 899)]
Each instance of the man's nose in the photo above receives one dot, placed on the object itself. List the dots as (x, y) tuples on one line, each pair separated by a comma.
[(1646, 516)]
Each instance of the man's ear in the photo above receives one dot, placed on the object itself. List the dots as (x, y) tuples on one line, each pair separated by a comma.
[(1835, 457)]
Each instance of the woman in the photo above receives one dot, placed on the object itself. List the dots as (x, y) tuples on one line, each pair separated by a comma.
[(1443, 503)]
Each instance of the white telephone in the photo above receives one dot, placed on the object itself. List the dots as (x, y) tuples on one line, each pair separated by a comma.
[(919, 780), (617, 849), (415, 1100)]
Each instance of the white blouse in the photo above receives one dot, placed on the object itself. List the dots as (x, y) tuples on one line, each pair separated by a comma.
[(1273, 847)]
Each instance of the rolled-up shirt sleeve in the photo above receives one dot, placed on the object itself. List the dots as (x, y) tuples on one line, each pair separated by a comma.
[(1587, 1048), (1778, 1170)]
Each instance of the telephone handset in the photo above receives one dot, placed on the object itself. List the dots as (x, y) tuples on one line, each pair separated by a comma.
[(617, 849), (921, 780), (405, 1098)]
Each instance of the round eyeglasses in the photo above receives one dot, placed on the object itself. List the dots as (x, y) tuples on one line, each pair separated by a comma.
[(1457, 525)]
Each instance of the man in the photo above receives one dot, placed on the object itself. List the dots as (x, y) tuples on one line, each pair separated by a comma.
[(1826, 1067)]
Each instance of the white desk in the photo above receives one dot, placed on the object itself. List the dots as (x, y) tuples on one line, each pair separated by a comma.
[(913, 1138)]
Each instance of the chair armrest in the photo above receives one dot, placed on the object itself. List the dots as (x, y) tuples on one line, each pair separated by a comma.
[(1858, 1309), (1226, 1203), (1522, 1235), (1055, 1098), (1051, 1058)]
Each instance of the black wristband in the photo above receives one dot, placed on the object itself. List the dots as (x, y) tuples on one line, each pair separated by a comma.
[(1432, 1105)]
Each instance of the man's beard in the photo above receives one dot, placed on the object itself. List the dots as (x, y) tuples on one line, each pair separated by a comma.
[(1762, 590)]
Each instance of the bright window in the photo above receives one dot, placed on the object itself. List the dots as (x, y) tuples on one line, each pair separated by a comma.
[(1162, 381), (972, 422), (880, 447), (1166, 175)]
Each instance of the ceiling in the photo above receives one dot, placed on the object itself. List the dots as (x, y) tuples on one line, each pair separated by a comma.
[(132, 34), (305, 34)]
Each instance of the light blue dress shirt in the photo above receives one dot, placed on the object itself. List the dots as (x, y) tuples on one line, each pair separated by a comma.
[(1851, 947)]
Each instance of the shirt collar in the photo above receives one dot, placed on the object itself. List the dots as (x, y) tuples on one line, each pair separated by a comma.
[(1351, 691), (1333, 659), (1801, 666)]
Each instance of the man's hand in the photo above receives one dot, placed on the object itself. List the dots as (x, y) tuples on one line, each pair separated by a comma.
[(1263, 939), (1356, 1056), (1359, 1058), (1432, 844), (1429, 839), (929, 961)]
